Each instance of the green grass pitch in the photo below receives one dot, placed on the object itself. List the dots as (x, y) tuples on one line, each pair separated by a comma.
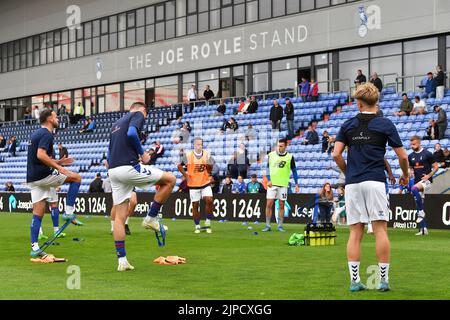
[(230, 263)]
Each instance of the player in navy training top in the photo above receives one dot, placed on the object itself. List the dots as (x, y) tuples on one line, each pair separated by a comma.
[(366, 136), (423, 167), (44, 174), (128, 168)]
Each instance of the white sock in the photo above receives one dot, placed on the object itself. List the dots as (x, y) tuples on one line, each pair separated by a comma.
[(70, 210), (384, 271), (353, 267), (126, 221), (35, 246), (197, 226), (123, 260), (55, 229), (112, 225), (40, 231)]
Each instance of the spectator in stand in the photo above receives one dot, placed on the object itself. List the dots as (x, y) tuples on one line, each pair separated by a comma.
[(242, 160), (208, 93), (331, 144), (192, 96), (313, 90), (78, 113), (89, 126), (221, 109), (325, 140), (152, 154), (447, 158), (338, 109), (440, 82), (230, 125), (376, 82), (12, 146), (9, 187), (179, 122), (406, 106), (159, 149), (250, 134), (27, 115), (253, 106), (215, 178), (240, 186), (289, 112), (232, 166), (62, 110), (438, 155), (276, 115), (62, 151), (242, 107), (2, 143), (441, 121), (36, 113), (311, 135), (326, 201), (360, 78), (227, 187), (254, 186), (304, 89), (107, 185), (430, 86), (184, 132), (432, 131), (420, 107), (183, 187), (96, 185)]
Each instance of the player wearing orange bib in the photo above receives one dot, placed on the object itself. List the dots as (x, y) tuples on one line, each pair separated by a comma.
[(198, 165)]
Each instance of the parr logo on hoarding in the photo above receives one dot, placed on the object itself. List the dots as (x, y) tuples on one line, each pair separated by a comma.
[(12, 203), (370, 19), (1, 203), (403, 219)]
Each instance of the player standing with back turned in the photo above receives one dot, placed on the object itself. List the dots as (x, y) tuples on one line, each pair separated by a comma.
[(366, 136)]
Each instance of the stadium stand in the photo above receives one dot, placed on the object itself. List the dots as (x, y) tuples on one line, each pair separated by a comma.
[(90, 149)]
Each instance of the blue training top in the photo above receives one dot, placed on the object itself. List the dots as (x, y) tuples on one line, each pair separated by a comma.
[(36, 170), (366, 136), (422, 164), (125, 146)]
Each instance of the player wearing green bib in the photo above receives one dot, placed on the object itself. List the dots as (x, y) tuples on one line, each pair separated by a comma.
[(280, 164)]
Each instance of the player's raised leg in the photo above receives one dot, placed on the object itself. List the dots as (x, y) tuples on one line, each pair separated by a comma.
[(166, 184), (74, 180)]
